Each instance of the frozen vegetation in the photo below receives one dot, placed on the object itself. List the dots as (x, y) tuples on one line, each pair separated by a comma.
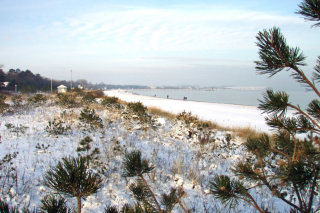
[(187, 153)]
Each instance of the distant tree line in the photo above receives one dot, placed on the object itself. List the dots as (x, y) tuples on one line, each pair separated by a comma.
[(27, 82)]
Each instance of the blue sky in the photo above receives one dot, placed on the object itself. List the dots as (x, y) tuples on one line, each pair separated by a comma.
[(203, 43)]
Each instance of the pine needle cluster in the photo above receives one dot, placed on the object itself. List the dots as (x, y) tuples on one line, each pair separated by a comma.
[(135, 166), (285, 164)]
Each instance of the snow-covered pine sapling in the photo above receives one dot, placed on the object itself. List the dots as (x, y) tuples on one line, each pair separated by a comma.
[(140, 111), (54, 204), (89, 117), (286, 165), (92, 155), (135, 166), (16, 129), (111, 102), (72, 178), (57, 127)]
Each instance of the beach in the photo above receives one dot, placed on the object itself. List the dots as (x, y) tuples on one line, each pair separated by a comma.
[(226, 115)]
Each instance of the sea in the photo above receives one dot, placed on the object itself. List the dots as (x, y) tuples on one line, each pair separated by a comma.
[(249, 96)]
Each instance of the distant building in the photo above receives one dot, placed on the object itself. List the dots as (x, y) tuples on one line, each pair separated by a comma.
[(62, 89)]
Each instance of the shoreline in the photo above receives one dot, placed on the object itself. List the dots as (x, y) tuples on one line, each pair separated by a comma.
[(226, 115)]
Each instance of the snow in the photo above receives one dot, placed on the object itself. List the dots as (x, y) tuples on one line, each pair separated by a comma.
[(178, 159), (226, 115)]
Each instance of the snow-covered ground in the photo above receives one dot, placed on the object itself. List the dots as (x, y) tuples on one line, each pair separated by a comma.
[(178, 159), (226, 115)]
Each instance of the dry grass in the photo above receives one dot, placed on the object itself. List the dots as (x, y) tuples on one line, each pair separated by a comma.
[(244, 132), (162, 113)]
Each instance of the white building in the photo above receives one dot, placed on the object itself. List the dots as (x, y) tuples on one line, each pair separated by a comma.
[(62, 89)]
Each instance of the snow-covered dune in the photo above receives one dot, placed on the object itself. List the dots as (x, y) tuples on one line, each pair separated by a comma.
[(226, 115)]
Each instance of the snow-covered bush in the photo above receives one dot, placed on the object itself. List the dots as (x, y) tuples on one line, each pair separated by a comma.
[(8, 175), (90, 119), (37, 99), (19, 129), (68, 100), (91, 155), (139, 111), (3, 106), (135, 166), (57, 127), (111, 102), (54, 204)]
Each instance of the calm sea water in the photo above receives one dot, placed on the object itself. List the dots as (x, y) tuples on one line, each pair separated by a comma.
[(228, 96)]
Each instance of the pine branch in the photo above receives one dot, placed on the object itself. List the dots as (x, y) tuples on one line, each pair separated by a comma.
[(316, 74), (310, 9), (274, 102), (276, 55)]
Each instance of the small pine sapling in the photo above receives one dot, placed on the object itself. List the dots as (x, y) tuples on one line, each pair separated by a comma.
[(72, 178), (89, 117), (135, 166)]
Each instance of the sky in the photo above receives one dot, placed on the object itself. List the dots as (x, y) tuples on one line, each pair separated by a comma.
[(150, 42)]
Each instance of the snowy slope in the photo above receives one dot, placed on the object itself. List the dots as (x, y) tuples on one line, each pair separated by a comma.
[(178, 159)]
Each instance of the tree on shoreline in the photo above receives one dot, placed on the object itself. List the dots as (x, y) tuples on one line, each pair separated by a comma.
[(284, 164)]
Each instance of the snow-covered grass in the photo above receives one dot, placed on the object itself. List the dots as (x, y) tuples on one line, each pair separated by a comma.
[(179, 160)]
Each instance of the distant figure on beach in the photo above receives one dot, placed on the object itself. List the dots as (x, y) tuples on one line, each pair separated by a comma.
[(167, 96), (155, 95), (184, 98)]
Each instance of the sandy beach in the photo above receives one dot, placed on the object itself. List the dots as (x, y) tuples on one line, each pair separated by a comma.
[(226, 115)]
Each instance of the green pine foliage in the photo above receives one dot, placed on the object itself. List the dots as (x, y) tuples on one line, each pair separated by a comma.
[(137, 109), (135, 166), (285, 165), (111, 102), (57, 127), (89, 117), (92, 156), (72, 178), (3, 105), (54, 204)]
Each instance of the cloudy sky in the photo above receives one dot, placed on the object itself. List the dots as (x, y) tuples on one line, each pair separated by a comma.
[(149, 42)]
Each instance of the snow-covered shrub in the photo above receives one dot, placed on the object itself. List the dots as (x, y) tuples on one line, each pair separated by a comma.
[(88, 98), (37, 99), (17, 101), (135, 166), (90, 119), (139, 111), (68, 100), (111, 102), (3, 106), (16, 129), (91, 155), (54, 204), (187, 117), (8, 174), (57, 127)]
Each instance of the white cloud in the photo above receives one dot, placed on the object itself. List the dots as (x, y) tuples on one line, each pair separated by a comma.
[(151, 29)]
